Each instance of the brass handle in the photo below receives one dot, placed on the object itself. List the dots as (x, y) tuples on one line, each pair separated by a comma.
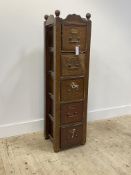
[(73, 107), (74, 40), (71, 116), (75, 113), (76, 66), (74, 31)]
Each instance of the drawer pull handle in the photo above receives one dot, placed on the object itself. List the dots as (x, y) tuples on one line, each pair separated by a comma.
[(73, 64), (75, 113), (74, 31), (74, 40), (76, 66), (73, 107), (69, 66), (70, 115)]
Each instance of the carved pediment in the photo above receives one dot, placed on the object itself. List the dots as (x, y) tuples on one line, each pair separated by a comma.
[(75, 18)]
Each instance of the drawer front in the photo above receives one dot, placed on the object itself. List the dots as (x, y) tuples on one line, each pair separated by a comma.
[(71, 112), (72, 64), (72, 89), (71, 136), (73, 36)]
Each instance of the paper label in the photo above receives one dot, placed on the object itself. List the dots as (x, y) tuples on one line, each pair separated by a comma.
[(77, 50)]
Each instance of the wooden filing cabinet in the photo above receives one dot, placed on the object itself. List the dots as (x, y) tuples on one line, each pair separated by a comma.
[(67, 50)]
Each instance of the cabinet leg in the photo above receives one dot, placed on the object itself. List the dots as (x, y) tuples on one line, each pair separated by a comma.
[(46, 133), (46, 136), (56, 149)]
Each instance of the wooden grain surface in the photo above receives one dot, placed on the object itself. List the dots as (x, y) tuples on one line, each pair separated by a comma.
[(106, 152)]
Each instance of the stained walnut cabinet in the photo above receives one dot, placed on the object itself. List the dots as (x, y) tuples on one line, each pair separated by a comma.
[(67, 49)]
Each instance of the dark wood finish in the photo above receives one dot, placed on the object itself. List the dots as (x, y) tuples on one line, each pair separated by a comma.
[(51, 90), (71, 112), (86, 80), (73, 35), (72, 89), (47, 100), (71, 135), (67, 50), (75, 19), (72, 64), (51, 107), (57, 57)]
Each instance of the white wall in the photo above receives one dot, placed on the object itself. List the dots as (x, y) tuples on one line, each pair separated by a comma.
[(21, 60)]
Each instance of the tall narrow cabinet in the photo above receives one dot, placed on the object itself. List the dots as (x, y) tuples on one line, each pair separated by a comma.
[(67, 50)]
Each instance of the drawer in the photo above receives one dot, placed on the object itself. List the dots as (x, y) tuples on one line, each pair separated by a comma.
[(72, 89), (71, 112), (73, 35), (71, 136), (72, 64)]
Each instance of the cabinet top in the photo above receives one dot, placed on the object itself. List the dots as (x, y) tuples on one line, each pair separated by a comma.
[(71, 18)]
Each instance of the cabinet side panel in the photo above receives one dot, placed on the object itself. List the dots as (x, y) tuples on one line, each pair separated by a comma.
[(57, 58), (86, 80), (46, 66)]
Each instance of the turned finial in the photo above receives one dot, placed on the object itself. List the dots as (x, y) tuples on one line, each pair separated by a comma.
[(57, 13), (88, 16), (46, 17)]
